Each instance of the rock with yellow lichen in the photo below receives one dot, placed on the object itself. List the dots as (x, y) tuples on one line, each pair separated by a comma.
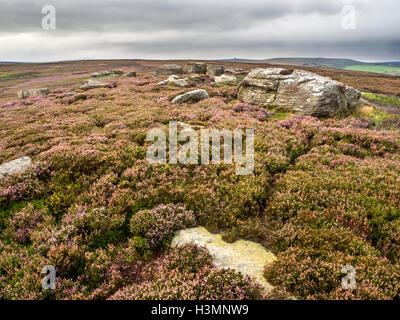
[(247, 257)]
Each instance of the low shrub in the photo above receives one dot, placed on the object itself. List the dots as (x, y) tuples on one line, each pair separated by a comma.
[(158, 224)]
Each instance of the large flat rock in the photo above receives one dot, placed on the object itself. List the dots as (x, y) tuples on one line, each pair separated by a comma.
[(298, 90), (247, 257)]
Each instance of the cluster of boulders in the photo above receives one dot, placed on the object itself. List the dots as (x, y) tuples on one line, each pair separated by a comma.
[(296, 90), (197, 68), (95, 81), (105, 75), (217, 72)]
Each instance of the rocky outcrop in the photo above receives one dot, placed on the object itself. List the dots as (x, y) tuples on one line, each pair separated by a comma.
[(225, 79), (298, 90), (215, 71), (196, 67), (247, 257), (131, 74), (22, 94), (107, 73), (93, 84), (175, 80), (169, 69), (192, 96), (19, 165)]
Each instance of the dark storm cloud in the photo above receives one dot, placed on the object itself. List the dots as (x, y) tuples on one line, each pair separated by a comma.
[(96, 15), (197, 29)]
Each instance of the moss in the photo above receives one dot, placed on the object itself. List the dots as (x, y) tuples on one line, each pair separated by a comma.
[(280, 116), (382, 99), (378, 116)]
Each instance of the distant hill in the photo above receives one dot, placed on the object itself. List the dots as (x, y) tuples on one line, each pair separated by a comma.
[(6, 62), (313, 62), (392, 67)]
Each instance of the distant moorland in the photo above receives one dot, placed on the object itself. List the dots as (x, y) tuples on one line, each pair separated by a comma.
[(349, 64)]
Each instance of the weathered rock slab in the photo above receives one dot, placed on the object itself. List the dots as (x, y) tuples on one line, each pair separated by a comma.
[(215, 71), (298, 90), (247, 257), (130, 74), (22, 94), (19, 165), (196, 67), (107, 73), (192, 96), (169, 69), (93, 84)]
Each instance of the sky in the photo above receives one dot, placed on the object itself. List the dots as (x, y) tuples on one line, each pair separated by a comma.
[(367, 30)]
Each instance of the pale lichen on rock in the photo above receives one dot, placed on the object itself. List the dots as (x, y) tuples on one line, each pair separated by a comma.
[(19, 165), (247, 257)]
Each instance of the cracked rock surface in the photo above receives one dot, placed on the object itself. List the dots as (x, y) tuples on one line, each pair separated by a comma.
[(298, 90)]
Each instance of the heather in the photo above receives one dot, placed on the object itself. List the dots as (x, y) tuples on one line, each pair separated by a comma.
[(324, 194)]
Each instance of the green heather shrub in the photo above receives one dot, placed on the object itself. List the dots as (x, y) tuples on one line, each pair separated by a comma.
[(94, 227), (20, 273), (23, 223), (69, 259), (158, 225), (187, 273), (20, 187)]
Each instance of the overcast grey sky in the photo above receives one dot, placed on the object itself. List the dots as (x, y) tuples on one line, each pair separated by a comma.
[(199, 29)]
